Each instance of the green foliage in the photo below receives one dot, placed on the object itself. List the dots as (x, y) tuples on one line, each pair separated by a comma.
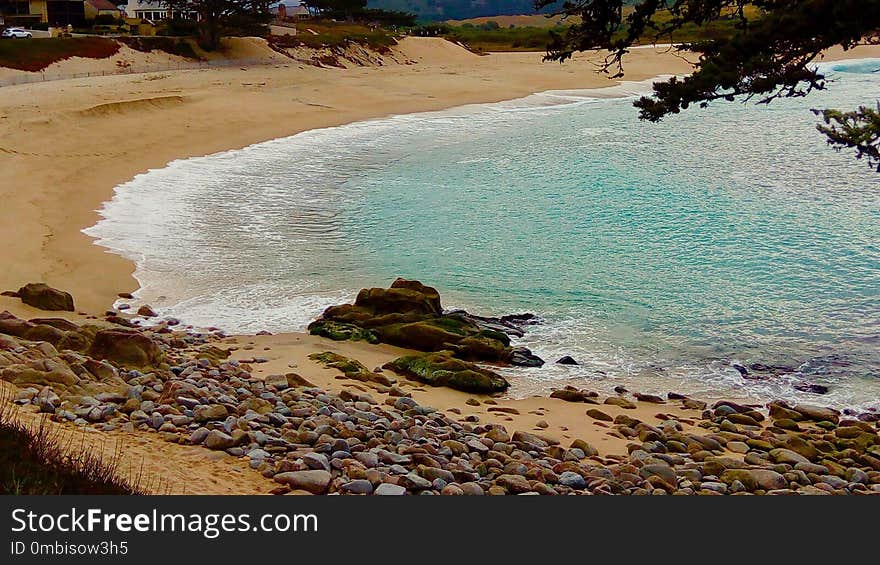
[(332, 8), (37, 54), (104, 20), (859, 130), (179, 27), (480, 38), (766, 53), (357, 11), (338, 331), (431, 30), (171, 45), (219, 18), (434, 10)]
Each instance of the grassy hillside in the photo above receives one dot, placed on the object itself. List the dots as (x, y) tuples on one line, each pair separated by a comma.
[(436, 10), (532, 33), (533, 20)]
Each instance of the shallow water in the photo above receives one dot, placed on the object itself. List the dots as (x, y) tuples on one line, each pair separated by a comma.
[(657, 253)]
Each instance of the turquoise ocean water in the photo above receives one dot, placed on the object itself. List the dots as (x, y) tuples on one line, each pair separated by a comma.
[(658, 254)]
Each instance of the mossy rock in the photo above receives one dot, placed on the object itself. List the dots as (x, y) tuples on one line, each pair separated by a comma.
[(351, 368), (338, 331), (442, 369), (481, 348), (409, 315), (455, 324), (394, 318), (76, 341)]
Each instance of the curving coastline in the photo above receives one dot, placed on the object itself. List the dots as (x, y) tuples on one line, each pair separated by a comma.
[(69, 182)]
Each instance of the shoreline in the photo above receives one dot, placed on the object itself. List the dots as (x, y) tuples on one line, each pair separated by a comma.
[(94, 176), (67, 175), (621, 89), (69, 184)]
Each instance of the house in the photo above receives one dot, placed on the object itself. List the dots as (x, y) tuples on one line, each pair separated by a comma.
[(286, 12), (52, 12), (154, 11), (95, 8)]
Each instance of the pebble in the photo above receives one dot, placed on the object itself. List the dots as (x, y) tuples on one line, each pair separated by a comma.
[(388, 489), (314, 440)]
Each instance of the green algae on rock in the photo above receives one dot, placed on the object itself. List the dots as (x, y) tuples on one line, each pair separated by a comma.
[(442, 369), (338, 331), (351, 368), (410, 314)]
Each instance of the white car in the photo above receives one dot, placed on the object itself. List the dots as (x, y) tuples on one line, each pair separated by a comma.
[(16, 33)]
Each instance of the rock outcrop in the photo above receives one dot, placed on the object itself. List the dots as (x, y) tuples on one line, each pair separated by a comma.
[(409, 314)]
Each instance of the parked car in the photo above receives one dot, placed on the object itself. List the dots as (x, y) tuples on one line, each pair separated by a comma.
[(16, 33)]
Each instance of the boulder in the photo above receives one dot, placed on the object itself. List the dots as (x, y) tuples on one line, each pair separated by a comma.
[(442, 369), (213, 354), (44, 297), (523, 357), (818, 413), (14, 326), (218, 440), (43, 372), (60, 323), (404, 296), (313, 481), (132, 349), (754, 479), (410, 315), (146, 312), (208, 412), (571, 394)]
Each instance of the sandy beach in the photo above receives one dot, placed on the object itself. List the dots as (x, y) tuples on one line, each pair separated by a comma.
[(66, 144)]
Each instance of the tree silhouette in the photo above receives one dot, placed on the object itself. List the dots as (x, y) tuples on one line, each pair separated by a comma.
[(767, 54)]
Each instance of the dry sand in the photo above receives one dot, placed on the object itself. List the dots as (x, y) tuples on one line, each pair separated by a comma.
[(65, 145)]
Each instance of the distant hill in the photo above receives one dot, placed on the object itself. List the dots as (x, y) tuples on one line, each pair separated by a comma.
[(457, 9), (466, 9)]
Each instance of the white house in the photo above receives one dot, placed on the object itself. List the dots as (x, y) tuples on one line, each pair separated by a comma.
[(152, 11)]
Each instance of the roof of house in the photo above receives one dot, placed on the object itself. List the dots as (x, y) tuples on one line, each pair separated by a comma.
[(103, 5)]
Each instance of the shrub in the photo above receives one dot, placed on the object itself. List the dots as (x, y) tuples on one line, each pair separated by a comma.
[(170, 45), (43, 462)]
